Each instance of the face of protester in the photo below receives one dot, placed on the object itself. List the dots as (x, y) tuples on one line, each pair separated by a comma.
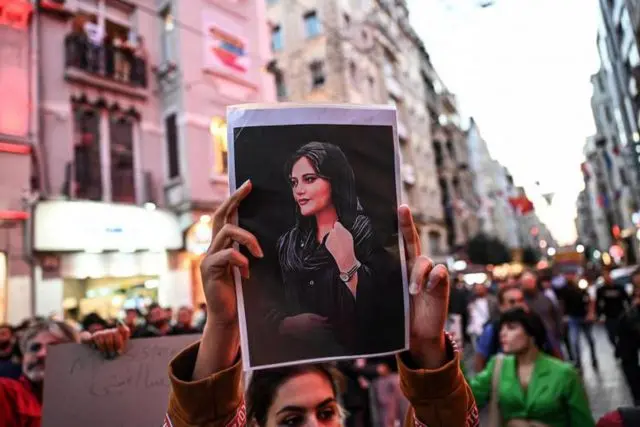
[(184, 316), (35, 355), (514, 339), (311, 192), (95, 327), (305, 400), (6, 340), (512, 298), (528, 282), (157, 317), (131, 317), (480, 290)]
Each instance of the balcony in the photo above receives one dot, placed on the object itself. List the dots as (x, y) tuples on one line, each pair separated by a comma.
[(106, 67)]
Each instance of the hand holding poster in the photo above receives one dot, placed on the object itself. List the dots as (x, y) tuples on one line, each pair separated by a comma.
[(84, 389), (323, 208)]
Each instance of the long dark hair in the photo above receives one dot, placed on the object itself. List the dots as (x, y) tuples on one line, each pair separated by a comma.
[(330, 163), (264, 385), (530, 322)]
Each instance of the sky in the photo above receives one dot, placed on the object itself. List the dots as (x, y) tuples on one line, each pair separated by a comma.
[(521, 68)]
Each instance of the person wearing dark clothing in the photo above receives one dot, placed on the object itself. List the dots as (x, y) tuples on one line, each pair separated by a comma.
[(611, 302), (577, 305), (629, 345), (184, 322), (621, 417), (9, 349), (157, 324), (458, 302), (544, 307), (93, 322)]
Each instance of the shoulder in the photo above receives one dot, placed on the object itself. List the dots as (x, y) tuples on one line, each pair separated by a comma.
[(16, 391), (288, 238), (562, 368)]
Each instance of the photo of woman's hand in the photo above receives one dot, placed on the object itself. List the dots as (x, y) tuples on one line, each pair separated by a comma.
[(339, 243)]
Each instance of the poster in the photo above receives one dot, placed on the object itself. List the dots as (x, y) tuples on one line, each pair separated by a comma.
[(84, 389), (326, 188)]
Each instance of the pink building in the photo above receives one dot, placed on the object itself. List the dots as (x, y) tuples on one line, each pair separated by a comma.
[(130, 151)]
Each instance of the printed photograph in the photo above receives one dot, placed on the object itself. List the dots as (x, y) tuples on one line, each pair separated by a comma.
[(324, 209)]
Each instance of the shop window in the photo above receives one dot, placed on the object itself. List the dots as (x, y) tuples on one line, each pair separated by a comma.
[(173, 151), (218, 131), (122, 160), (87, 164), (317, 74)]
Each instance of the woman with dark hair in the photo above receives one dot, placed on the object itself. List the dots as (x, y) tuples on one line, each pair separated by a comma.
[(327, 260), (527, 387)]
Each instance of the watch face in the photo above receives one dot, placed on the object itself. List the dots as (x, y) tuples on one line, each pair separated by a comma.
[(344, 277)]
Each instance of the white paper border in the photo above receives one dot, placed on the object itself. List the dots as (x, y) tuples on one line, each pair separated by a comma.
[(239, 116)]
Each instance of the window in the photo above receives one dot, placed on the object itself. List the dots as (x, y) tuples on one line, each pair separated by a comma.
[(607, 114), (173, 151), (451, 150), (311, 24), (317, 74), (353, 70), (218, 131), (347, 19), (434, 242), (122, 164), (87, 162), (281, 88), (389, 66), (276, 38), (168, 27)]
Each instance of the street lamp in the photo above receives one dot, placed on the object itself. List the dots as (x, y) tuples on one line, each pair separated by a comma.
[(580, 249), (551, 251)]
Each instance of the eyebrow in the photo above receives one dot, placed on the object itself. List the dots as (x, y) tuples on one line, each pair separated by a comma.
[(301, 409)]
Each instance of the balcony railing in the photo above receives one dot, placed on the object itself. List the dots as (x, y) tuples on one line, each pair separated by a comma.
[(108, 61)]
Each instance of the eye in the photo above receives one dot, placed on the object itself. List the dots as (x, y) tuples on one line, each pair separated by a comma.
[(293, 182), (293, 420), (326, 414), (310, 179), (34, 347)]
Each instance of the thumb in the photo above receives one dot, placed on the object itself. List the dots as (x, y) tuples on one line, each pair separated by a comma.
[(123, 331), (85, 337), (438, 282)]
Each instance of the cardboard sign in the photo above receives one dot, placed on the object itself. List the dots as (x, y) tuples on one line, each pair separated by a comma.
[(84, 389)]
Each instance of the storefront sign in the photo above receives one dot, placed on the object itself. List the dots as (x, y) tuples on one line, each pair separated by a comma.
[(61, 226), (225, 44)]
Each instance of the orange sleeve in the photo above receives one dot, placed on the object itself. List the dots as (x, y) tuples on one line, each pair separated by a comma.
[(216, 401), (439, 397)]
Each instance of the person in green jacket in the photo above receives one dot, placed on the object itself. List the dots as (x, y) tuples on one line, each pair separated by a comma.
[(533, 388)]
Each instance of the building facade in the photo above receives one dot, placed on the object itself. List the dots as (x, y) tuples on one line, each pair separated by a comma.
[(363, 51), (130, 147)]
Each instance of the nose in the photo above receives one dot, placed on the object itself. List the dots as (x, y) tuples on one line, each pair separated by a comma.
[(42, 353), (299, 189), (312, 421)]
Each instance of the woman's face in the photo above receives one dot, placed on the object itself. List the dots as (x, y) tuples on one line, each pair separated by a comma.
[(513, 338), (311, 192), (306, 400)]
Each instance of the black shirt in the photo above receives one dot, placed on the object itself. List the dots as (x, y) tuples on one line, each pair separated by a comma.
[(612, 301), (576, 301)]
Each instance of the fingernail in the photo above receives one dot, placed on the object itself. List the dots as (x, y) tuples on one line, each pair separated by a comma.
[(260, 253), (413, 288), (433, 279)]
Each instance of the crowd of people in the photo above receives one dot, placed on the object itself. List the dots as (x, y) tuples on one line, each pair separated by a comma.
[(525, 332)]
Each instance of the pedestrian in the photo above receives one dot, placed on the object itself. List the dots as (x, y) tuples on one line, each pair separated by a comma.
[(206, 377), (580, 309), (483, 309), (629, 345), (544, 307), (9, 351), (156, 325), (611, 302), (526, 386), (184, 322)]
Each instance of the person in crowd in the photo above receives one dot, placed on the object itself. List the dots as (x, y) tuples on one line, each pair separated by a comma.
[(156, 325), (528, 385), (358, 375), (184, 322), (629, 345), (9, 351), (131, 316), (93, 322), (168, 313), (459, 303), (489, 342), (546, 285), (579, 307), (200, 318), (21, 399), (483, 309), (621, 417), (206, 377), (611, 302), (540, 304)]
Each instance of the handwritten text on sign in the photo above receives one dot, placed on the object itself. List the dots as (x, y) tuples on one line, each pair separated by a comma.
[(82, 388)]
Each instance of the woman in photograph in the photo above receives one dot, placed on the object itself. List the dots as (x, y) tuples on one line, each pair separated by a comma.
[(333, 269), (527, 387)]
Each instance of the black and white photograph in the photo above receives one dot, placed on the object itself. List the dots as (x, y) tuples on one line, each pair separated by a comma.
[(323, 206)]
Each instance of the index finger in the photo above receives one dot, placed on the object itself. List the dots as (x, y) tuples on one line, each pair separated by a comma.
[(409, 233), (230, 205)]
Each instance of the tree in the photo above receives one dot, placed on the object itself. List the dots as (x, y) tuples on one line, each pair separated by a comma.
[(485, 250)]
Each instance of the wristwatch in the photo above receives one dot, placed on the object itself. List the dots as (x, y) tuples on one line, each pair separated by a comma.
[(346, 276)]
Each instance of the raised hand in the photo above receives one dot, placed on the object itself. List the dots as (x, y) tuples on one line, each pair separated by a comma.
[(429, 289), (110, 342), (339, 243)]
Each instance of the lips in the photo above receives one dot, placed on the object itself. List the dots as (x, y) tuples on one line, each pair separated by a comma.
[(303, 202)]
